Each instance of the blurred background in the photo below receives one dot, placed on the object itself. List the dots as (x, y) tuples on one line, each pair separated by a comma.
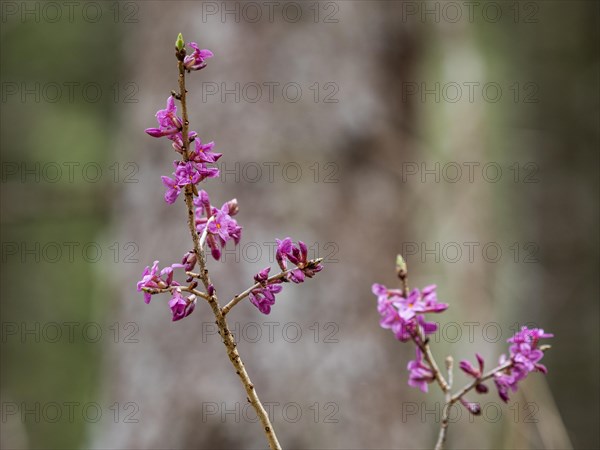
[(461, 134)]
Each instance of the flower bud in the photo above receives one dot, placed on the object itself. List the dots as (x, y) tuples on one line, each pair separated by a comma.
[(401, 268), (233, 207), (189, 260), (179, 43), (481, 388), (191, 305), (262, 276), (472, 407)]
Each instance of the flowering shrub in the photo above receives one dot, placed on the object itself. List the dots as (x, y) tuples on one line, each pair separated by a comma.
[(213, 227), (403, 312)]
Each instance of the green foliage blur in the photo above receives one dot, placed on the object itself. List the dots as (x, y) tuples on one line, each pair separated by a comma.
[(48, 133)]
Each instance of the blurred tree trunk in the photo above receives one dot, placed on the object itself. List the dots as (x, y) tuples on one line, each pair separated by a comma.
[(370, 134)]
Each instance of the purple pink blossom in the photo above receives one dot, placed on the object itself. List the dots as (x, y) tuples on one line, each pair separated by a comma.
[(168, 121), (203, 153), (154, 278), (177, 140), (186, 173), (419, 374), (524, 356), (403, 315), (263, 297), (219, 224), (298, 256), (180, 306), (196, 60), (475, 372)]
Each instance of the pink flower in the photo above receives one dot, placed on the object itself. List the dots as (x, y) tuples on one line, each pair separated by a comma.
[(419, 303), (195, 61), (186, 173), (203, 153), (181, 307), (177, 139), (222, 228), (168, 121), (476, 373), (419, 375), (173, 189), (189, 260), (151, 278), (264, 297)]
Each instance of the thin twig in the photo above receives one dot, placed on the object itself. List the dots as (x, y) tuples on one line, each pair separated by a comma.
[(448, 399), (241, 296), (483, 378), (451, 400), (175, 288), (153, 291), (423, 345)]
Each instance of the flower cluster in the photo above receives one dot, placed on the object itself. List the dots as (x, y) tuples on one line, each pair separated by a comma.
[(405, 314), (154, 278), (298, 256), (154, 281), (263, 295), (193, 168), (211, 225), (217, 223), (524, 358)]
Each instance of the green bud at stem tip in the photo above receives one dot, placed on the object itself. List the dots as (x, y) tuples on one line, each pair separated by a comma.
[(179, 43), (401, 269)]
